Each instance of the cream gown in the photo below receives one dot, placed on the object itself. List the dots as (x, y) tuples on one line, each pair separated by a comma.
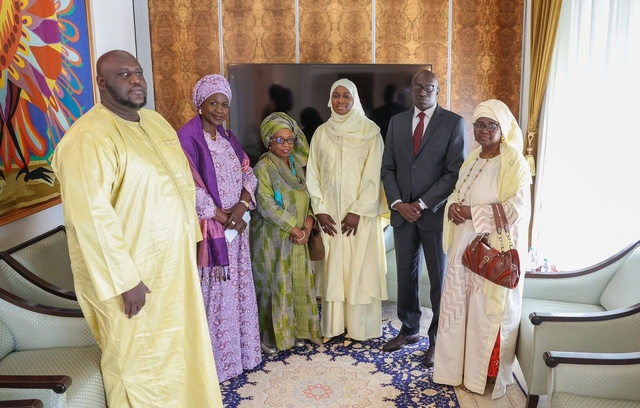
[(468, 323), (343, 175)]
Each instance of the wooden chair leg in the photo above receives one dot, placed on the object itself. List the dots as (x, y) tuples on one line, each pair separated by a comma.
[(532, 401)]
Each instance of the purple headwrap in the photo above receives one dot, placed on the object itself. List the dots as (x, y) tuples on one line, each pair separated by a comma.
[(209, 85), (212, 250)]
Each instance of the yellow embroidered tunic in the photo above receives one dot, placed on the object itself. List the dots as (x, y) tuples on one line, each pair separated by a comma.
[(129, 208)]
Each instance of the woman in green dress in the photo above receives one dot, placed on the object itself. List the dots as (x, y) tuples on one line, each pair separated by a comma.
[(280, 228)]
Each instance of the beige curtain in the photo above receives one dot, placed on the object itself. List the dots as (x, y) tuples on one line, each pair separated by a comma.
[(545, 15)]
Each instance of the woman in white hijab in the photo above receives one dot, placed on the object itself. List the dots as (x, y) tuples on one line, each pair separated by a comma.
[(343, 179), (479, 320)]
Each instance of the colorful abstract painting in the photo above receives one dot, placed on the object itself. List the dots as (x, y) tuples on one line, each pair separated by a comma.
[(45, 85)]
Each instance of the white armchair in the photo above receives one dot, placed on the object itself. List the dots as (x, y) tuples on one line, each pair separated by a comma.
[(48, 354), (592, 310), (579, 380)]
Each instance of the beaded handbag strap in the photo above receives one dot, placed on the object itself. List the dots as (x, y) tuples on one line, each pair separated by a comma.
[(501, 223)]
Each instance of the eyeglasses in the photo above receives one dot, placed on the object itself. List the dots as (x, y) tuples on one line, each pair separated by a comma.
[(427, 88), (281, 140), (491, 127)]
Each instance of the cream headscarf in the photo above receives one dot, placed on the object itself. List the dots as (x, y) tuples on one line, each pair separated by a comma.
[(354, 123), (498, 111), (513, 174)]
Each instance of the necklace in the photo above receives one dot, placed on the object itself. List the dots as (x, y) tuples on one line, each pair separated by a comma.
[(486, 161), (210, 136)]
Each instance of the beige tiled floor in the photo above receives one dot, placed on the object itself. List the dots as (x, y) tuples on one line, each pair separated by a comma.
[(514, 398)]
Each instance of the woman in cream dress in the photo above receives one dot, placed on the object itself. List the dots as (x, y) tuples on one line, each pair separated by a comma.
[(478, 319), (343, 179)]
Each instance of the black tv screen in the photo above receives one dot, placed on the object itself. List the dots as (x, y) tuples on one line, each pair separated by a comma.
[(302, 90)]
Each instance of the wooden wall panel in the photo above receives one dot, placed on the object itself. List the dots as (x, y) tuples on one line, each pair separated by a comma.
[(259, 31), (414, 32), (335, 31), (486, 43), (184, 48), (486, 54)]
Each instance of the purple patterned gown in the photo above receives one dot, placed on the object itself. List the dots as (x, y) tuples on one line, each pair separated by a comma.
[(231, 306)]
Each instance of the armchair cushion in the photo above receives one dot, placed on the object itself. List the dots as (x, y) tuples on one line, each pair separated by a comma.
[(82, 364), (566, 400), (554, 306), (6, 341), (616, 295), (36, 330)]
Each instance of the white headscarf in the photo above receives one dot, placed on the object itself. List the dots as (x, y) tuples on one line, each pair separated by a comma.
[(498, 111), (354, 123)]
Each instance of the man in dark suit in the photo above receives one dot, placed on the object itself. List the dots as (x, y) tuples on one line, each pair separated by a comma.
[(423, 152)]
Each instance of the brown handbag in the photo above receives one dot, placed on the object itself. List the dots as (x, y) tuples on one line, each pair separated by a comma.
[(315, 244), (500, 267)]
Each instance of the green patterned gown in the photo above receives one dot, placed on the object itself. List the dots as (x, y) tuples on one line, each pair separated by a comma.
[(285, 287)]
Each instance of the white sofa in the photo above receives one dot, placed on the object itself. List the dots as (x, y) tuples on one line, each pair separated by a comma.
[(593, 310)]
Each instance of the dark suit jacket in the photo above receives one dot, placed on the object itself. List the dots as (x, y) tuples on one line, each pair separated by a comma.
[(431, 175)]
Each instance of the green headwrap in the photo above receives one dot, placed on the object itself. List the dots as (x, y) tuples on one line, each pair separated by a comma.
[(280, 120)]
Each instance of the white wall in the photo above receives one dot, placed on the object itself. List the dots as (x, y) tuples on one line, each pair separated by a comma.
[(113, 28), (26, 228)]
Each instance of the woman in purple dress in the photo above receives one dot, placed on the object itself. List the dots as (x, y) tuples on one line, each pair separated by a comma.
[(225, 186)]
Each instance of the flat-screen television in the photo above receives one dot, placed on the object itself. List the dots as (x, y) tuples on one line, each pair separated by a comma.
[(302, 91)]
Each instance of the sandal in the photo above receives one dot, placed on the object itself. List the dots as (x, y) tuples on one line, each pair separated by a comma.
[(465, 389), (266, 349)]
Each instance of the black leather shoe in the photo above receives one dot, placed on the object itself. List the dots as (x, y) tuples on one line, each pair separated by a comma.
[(429, 356), (400, 340)]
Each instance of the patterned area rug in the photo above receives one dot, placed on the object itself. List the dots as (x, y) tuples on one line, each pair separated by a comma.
[(355, 375)]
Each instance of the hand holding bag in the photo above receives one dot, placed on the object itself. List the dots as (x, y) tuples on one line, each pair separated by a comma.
[(315, 244), (500, 267)]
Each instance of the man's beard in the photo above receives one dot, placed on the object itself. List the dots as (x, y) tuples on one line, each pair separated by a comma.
[(126, 102)]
